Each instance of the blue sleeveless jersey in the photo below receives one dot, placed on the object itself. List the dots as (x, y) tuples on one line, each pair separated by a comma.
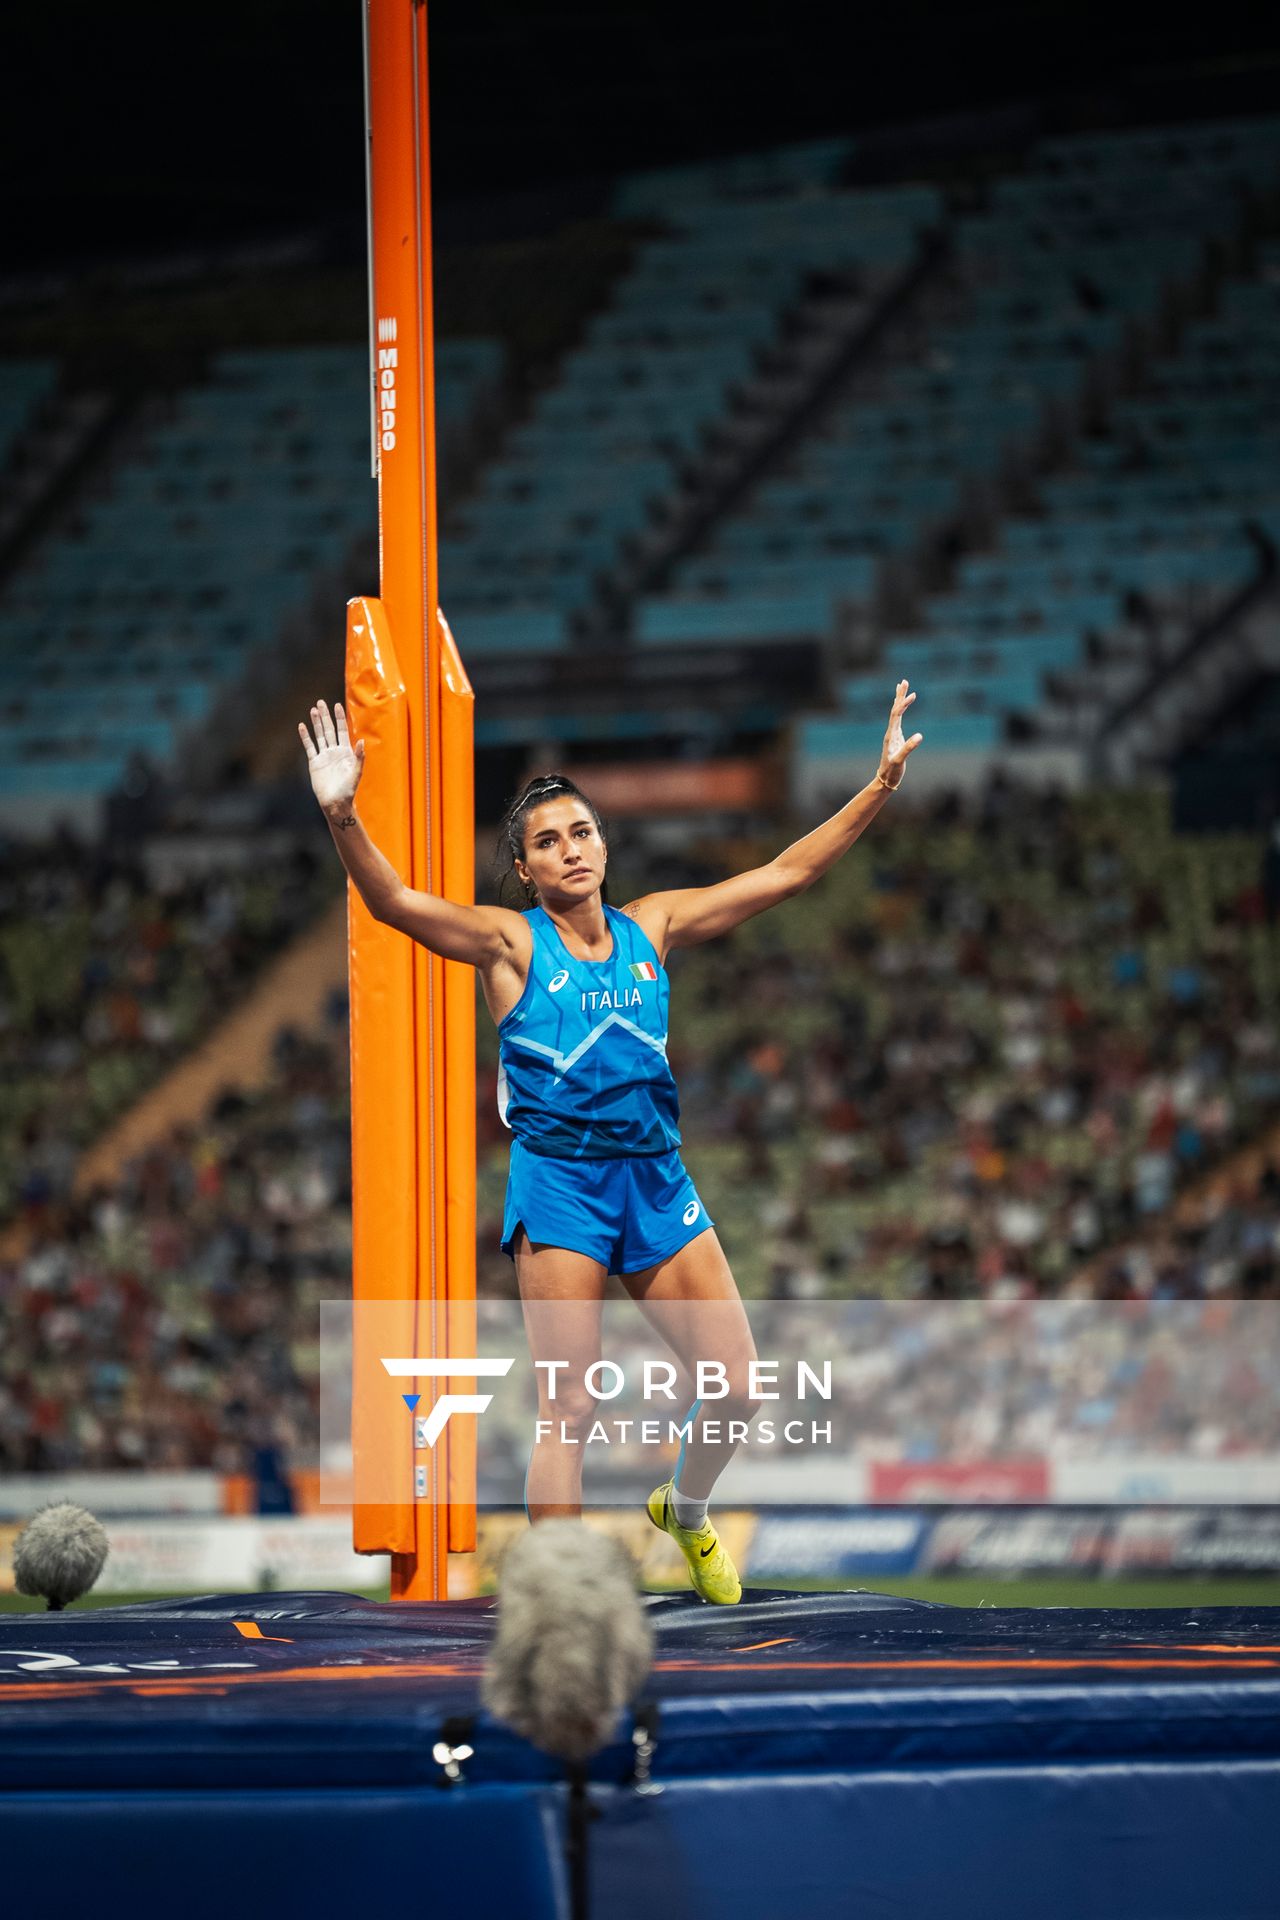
[(582, 1055)]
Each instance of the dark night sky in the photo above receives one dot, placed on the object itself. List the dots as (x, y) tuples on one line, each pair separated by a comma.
[(146, 126)]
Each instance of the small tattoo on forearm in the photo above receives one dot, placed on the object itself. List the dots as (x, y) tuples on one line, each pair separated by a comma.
[(348, 821)]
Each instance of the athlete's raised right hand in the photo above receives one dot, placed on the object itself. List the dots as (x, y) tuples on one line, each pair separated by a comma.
[(335, 765)]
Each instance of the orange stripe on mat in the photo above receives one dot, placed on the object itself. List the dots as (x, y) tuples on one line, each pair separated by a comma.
[(174, 1685), (77, 1689), (1207, 1646)]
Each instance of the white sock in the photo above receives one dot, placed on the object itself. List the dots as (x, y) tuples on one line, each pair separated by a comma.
[(689, 1513)]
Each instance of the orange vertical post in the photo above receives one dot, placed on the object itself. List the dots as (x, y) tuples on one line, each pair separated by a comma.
[(384, 1212), (428, 1255), (457, 797)]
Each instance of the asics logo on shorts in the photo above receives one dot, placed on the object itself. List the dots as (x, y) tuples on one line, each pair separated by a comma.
[(691, 1213), (557, 980)]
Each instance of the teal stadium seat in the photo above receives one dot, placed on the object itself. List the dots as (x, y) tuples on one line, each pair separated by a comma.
[(658, 369), (841, 738), (757, 616), (217, 521), (25, 385)]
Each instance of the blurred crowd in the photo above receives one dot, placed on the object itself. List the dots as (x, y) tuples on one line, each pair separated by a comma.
[(111, 970), (960, 1381), (986, 1054), (1068, 1379), (171, 1320), (991, 1055)]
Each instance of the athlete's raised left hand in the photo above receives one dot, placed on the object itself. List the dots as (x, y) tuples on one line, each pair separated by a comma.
[(334, 764), (893, 754)]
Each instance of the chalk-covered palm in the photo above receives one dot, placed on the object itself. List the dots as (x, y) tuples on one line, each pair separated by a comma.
[(893, 754), (335, 765)]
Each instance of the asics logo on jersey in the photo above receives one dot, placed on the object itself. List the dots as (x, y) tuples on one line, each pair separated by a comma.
[(557, 980), (690, 1213)]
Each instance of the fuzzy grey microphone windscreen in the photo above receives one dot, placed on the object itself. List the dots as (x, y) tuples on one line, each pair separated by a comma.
[(573, 1645), (59, 1553)]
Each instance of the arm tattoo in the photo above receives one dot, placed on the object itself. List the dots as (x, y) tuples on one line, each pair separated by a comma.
[(633, 911), (349, 821)]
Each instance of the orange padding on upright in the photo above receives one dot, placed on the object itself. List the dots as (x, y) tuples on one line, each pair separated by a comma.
[(456, 798), (384, 1179)]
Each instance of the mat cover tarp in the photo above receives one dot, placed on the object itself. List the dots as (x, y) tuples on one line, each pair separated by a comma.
[(817, 1753)]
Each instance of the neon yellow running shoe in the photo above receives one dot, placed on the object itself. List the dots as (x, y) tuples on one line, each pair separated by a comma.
[(711, 1570)]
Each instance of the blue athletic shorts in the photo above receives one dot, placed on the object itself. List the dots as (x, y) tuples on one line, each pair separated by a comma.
[(627, 1213)]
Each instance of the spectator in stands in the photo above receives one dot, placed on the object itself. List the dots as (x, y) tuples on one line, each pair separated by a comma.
[(137, 805)]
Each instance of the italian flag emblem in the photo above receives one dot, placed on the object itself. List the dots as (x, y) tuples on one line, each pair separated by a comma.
[(643, 970)]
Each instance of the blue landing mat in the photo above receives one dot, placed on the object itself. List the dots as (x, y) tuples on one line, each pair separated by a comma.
[(817, 1753)]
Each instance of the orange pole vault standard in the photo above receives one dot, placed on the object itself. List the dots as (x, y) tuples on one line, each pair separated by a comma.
[(412, 1016), (384, 1214)]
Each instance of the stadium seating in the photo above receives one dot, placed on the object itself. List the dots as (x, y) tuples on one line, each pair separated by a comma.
[(24, 387), (126, 628), (997, 1046), (1147, 530), (783, 171), (654, 374), (1017, 1034), (107, 978)]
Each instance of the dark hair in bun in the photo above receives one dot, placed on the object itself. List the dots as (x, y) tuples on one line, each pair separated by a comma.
[(512, 891)]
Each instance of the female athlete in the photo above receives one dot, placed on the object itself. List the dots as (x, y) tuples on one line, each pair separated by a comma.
[(596, 1186)]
